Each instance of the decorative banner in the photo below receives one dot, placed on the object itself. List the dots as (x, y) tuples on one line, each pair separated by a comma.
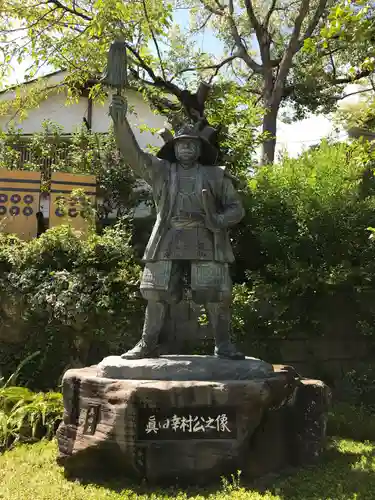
[(19, 202), (62, 186)]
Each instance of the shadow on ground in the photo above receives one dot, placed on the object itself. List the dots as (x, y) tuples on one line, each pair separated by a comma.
[(339, 475)]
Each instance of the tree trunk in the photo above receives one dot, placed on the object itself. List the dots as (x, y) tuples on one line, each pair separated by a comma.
[(271, 100), (269, 128)]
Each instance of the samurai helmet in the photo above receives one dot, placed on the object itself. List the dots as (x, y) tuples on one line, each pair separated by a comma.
[(199, 132)]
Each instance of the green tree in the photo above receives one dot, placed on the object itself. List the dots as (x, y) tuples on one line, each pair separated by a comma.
[(280, 51), (359, 116), (274, 50), (302, 250), (350, 25)]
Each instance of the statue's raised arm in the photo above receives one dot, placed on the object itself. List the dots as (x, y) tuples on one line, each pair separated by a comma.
[(143, 164)]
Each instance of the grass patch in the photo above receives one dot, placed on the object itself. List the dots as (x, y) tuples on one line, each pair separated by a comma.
[(347, 472)]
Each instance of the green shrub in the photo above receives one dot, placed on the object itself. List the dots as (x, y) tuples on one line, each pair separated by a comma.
[(357, 386), (77, 301), (24, 415), (303, 251), (351, 421)]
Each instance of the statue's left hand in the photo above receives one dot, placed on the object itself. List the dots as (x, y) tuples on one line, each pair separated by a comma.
[(214, 220)]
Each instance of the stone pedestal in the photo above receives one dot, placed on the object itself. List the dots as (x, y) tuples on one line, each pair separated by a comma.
[(198, 419)]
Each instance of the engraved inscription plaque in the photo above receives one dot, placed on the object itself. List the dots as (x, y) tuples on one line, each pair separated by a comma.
[(92, 419), (187, 423)]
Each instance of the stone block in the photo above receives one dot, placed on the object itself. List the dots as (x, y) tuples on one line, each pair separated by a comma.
[(309, 421), (188, 430)]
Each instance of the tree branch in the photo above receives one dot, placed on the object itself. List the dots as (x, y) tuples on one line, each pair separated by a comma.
[(22, 100), (215, 73), (291, 49), (262, 34), (15, 30), (344, 96), (333, 65), (219, 11), (331, 51), (219, 5), (154, 38), (162, 103), (314, 21), (72, 11), (188, 100), (141, 61), (350, 79), (216, 67), (203, 25), (254, 21), (290, 89), (257, 68), (269, 14)]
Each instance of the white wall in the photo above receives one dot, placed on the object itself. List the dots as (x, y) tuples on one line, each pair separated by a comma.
[(70, 116), (51, 109), (141, 115)]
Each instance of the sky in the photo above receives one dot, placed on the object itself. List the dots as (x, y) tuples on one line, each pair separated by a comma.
[(292, 138)]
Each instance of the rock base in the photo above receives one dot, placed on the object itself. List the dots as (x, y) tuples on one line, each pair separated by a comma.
[(190, 431)]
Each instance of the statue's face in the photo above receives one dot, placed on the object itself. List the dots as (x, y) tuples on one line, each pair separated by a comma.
[(187, 150)]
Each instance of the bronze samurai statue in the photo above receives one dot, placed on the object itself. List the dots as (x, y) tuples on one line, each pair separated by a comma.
[(196, 202)]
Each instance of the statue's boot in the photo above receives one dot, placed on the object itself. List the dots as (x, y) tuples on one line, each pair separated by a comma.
[(219, 316), (147, 347)]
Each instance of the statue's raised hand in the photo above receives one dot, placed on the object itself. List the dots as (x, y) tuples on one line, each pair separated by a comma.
[(118, 108)]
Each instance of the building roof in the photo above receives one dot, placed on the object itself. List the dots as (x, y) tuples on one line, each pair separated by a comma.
[(33, 80)]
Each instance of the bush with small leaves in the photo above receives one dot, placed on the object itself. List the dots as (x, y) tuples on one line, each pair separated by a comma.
[(78, 300), (303, 250)]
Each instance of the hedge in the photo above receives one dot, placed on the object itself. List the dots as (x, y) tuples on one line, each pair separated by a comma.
[(72, 299)]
